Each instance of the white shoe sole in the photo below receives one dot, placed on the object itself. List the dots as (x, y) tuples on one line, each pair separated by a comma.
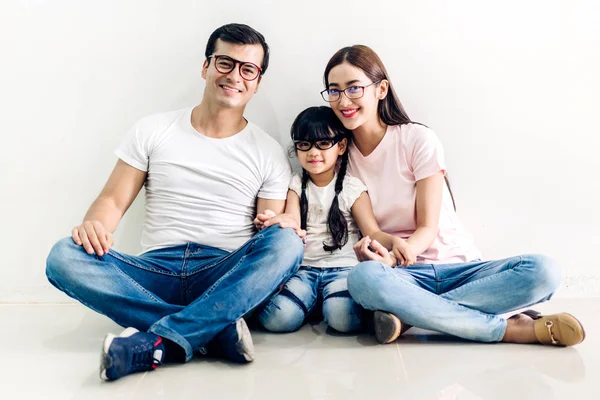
[(245, 346)]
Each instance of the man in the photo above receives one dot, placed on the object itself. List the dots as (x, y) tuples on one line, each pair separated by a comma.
[(207, 172)]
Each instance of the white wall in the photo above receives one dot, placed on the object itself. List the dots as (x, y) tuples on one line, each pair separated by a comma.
[(511, 87)]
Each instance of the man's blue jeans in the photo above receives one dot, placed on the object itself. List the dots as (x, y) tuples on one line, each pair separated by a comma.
[(186, 293), (462, 299)]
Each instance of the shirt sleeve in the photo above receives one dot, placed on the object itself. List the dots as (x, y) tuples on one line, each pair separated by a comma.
[(279, 172), (353, 188), (296, 184), (427, 153), (135, 147)]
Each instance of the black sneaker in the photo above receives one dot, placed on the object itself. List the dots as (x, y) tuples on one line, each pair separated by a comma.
[(131, 351), (233, 343)]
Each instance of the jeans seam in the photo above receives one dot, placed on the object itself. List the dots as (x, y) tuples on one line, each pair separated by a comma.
[(70, 294), (229, 255), (143, 289), (487, 278), (225, 275), (186, 254), (484, 269), (134, 264), (428, 293)]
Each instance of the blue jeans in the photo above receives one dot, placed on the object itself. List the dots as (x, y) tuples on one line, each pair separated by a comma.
[(186, 293), (462, 299), (287, 311)]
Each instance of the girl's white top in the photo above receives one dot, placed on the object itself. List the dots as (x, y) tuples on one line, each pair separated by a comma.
[(319, 203)]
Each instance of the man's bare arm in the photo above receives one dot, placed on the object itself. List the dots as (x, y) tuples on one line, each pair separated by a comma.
[(105, 213)]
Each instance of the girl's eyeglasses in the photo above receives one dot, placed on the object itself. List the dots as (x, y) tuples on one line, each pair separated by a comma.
[(323, 144)]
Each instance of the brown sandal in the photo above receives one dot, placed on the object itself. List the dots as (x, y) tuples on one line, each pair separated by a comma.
[(388, 327), (557, 329)]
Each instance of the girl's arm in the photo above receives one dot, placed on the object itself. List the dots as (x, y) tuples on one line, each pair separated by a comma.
[(292, 205), (289, 219), (362, 212)]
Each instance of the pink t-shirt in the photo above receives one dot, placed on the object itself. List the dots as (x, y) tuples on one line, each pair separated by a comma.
[(408, 153)]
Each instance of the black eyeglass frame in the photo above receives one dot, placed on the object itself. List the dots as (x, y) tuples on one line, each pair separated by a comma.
[(235, 62), (333, 140)]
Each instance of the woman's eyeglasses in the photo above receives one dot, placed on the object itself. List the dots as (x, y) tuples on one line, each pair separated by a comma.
[(352, 92)]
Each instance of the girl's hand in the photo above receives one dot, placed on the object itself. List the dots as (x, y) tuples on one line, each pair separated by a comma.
[(262, 218), (285, 221), (404, 252), (367, 249)]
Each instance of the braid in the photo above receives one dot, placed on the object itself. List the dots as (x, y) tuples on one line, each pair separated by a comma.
[(336, 222), (303, 200)]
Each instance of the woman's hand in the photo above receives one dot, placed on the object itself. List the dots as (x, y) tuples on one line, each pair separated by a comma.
[(367, 249), (404, 252)]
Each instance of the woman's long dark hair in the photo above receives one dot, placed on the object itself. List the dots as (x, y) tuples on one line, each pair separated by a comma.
[(390, 109), (319, 123)]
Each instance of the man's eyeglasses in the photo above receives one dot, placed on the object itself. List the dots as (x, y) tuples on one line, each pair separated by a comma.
[(226, 64), (323, 144), (352, 92)]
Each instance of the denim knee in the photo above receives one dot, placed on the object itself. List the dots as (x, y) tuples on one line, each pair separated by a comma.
[(58, 267), (281, 315), (288, 246), (363, 283), (545, 273), (342, 314)]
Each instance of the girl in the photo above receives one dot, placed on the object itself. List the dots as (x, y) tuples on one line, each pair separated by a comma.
[(328, 208), (444, 286)]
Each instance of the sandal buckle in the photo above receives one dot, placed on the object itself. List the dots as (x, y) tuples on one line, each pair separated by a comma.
[(549, 325)]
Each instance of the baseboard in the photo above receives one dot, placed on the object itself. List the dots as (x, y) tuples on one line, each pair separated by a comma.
[(33, 295), (579, 286)]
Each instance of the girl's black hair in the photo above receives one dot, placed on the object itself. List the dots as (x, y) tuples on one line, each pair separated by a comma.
[(318, 123)]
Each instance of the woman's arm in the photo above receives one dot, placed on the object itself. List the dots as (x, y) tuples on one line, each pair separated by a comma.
[(428, 205)]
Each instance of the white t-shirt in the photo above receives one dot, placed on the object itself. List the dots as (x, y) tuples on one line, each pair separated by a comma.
[(319, 203), (200, 189), (406, 154)]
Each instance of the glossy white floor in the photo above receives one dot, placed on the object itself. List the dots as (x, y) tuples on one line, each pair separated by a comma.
[(52, 352)]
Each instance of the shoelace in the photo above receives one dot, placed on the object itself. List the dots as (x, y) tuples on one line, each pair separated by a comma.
[(143, 357)]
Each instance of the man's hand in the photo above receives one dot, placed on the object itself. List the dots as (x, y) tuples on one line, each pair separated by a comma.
[(367, 249), (93, 237)]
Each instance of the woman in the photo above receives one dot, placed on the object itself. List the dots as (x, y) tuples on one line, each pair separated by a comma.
[(440, 282)]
